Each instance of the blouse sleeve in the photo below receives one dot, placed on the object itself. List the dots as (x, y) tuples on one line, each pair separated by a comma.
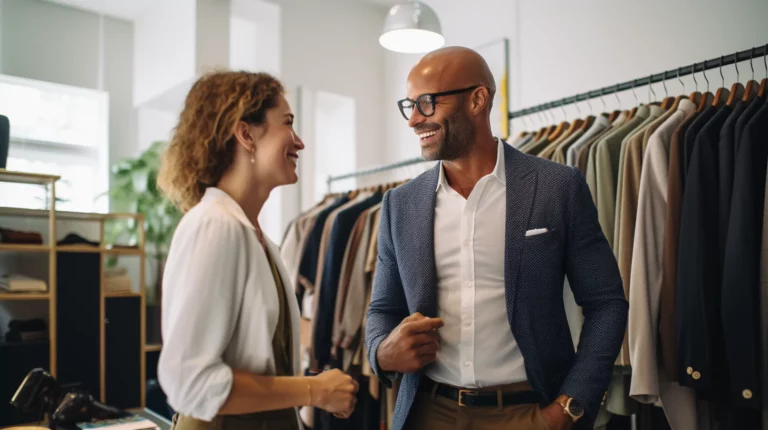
[(202, 289)]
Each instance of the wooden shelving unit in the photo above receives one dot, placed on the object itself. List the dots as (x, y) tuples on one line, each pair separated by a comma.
[(50, 248), (24, 296)]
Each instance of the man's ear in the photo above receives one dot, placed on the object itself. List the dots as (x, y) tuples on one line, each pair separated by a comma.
[(480, 98)]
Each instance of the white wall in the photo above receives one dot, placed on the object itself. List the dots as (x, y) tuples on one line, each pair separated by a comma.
[(48, 42), (560, 48), (332, 46), (164, 48)]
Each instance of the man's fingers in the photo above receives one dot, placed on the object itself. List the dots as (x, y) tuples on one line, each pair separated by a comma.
[(424, 326), (419, 339), (427, 349), (414, 317)]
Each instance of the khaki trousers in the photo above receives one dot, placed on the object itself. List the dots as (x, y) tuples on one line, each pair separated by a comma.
[(432, 412)]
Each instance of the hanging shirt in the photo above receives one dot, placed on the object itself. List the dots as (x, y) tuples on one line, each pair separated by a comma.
[(477, 347)]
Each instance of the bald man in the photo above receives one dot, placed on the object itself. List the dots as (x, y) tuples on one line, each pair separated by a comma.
[(467, 303)]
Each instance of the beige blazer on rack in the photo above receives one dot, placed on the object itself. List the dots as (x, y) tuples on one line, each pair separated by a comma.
[(649, 382)]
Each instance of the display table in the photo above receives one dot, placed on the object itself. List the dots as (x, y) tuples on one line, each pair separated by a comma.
[(162, 422)]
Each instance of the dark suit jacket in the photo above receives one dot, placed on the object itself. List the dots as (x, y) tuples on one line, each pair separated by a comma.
[(540, 194), (311, 253), (726, 155), (741, 273), (700, 358)]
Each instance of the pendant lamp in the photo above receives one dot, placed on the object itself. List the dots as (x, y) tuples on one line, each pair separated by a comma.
[(412, 27)]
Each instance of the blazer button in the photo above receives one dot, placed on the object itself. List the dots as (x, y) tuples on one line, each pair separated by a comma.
[(747, 394), (696, 375), (689, 370)]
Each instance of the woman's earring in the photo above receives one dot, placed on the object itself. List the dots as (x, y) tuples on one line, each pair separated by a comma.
[(253, 156)]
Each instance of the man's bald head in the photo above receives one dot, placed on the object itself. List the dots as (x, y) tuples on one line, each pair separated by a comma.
[(463, 88), (451, 68)]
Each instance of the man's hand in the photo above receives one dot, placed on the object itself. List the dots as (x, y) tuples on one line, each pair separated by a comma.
[(556, 418), (412, 345)]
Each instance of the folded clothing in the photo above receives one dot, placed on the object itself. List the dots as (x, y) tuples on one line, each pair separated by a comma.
[(118, 284), (22, 330), (115, 271), (26, 237), (18, 283), (76, 239)]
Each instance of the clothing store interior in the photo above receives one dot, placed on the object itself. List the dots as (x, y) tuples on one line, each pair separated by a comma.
[(660, 106)]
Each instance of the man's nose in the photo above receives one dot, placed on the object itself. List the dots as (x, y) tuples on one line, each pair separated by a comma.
[(416, 118)]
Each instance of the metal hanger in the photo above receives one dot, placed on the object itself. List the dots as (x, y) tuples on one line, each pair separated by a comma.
[(668, 101), (737, 89), (722, 94), (750, 90), (761, 91)]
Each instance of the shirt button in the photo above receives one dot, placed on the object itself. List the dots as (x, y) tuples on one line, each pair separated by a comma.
[(747, 394), (696, 375), (467, 363), (689, 370), (468, 324)]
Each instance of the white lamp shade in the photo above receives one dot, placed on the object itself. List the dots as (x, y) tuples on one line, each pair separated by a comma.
[(412, 28)]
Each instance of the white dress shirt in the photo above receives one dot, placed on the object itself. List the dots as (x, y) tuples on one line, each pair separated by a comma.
[(220, 307), (477, 347)]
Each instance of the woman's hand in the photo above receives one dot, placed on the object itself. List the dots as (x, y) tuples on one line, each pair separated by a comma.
[(334, 391)]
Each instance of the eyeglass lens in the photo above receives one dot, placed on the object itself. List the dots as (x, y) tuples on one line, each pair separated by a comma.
[(425, 106)]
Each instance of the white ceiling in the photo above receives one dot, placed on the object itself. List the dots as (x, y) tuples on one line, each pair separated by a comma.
[(130, 10)]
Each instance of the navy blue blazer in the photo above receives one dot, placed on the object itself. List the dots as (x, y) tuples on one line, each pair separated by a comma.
[(540, 194)]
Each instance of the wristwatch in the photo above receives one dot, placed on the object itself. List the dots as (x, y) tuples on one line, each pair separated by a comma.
[(571, 407)]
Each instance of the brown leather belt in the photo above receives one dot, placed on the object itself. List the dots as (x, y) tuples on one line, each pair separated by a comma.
[(480, 397)]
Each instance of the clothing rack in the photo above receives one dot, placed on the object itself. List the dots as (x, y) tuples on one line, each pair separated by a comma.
[(725, 60)]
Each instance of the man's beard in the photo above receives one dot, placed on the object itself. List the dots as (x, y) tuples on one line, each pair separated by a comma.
[(457, 140)]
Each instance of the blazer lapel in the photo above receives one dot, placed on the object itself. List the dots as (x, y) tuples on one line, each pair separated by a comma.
[(521, 189), (420, 240)]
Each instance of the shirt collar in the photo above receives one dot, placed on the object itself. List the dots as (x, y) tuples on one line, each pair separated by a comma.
[(499, 171), (218, 196)]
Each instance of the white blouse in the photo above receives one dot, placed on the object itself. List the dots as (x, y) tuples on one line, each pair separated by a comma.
[(220, 307)]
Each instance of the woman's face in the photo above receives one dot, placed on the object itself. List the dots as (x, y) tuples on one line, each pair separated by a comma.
[(277, 148)]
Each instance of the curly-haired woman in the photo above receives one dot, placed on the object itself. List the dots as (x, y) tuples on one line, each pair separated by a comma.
[(230, 323)]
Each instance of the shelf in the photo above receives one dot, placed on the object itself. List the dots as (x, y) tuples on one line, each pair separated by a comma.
[(65, 215), (122, 251), (21, 247), (110, 294), (77, 248), (25, 296), (27, 178), (153, 348)]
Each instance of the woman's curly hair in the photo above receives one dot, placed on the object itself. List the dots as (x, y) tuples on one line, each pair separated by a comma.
[(203, 143)]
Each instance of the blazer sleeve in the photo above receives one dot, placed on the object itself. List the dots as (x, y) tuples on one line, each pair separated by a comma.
[(388, 306), (204, 276), (596, 283)]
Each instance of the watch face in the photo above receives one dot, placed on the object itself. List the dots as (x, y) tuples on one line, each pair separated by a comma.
[(575, 408)]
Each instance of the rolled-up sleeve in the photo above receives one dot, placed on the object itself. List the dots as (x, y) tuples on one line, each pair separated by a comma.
[(202, 292)]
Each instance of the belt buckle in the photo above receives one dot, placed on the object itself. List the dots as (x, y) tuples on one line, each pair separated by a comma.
[(461, 393)]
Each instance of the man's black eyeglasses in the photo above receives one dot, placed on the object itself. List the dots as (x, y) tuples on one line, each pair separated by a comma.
[(425, 103)]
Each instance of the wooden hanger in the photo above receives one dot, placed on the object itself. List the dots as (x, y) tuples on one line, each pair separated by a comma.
[(613, 115), (561, 128), (737, 93), (588, 121)]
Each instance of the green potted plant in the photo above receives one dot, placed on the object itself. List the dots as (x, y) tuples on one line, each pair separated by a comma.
[(134, 190)]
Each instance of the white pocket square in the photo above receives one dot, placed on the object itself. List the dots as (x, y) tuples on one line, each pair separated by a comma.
[(535, 232)]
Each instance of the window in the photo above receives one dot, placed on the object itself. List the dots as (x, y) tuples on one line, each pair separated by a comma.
[(60, 130)]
